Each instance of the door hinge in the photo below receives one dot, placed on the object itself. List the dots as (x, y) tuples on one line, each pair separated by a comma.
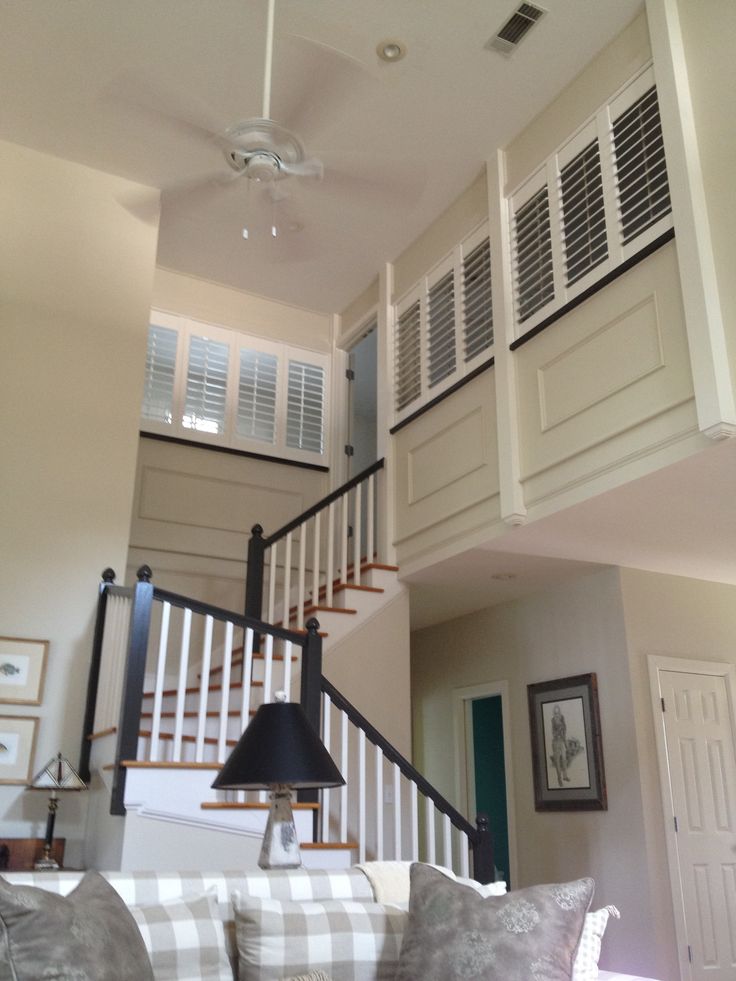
[(350, 531), (350, 374), (349, 450), (663, 708), (675, 820), (689, 953)]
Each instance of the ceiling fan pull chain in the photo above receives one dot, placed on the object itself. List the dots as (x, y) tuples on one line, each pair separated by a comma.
[(269, 58)]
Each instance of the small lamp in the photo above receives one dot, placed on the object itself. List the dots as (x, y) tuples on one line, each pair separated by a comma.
[(57, 775), (279, 751)]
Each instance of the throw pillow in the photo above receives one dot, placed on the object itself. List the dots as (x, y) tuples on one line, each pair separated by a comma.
[(348, 940), (585, 967), (185, 939), (88, 935), (312, 976), (527, 935)]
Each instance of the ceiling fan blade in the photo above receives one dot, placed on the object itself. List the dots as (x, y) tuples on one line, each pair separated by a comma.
[(384, 179), (304, 168)]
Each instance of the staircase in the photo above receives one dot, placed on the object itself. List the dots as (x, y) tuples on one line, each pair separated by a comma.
[(173, 683)]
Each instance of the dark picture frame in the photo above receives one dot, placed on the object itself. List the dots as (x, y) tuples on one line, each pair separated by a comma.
[(567, 748)]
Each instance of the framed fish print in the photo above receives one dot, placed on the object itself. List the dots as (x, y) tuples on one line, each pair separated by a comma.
[(17, 747), (22, 670)]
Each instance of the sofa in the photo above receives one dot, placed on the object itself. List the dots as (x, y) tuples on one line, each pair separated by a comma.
[(269, 926)]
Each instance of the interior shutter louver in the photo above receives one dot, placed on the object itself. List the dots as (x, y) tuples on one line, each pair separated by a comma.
[(477, 301), (533, 274), (305, 407), (583, 213), (256, 416), (407, 361), (206, 389), (441, 333), (641, 171), (158, 391)]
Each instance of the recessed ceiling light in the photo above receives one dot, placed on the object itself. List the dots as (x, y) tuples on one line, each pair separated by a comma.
[(503, 576), (391, 50)]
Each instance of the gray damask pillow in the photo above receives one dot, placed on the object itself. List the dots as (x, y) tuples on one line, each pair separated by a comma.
[(88, 935), (454, 934)]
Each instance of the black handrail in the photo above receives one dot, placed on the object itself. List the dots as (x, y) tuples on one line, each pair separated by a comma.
[(85, 750), (320, 505)]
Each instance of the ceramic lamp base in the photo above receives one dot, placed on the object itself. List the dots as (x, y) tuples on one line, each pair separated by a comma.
[(280, 849)]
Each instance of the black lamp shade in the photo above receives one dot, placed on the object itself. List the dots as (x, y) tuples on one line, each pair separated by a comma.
[(279, 747)]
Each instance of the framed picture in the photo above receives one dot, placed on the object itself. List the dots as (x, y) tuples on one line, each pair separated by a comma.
[(567, 750), (22, 670), (17, 747)]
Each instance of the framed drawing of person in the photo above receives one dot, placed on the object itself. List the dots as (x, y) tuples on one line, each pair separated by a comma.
[(567, 749)]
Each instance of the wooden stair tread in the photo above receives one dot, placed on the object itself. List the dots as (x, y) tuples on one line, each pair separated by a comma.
[(195, 690), (195, 715), (329, 845), (225, 805), (309, 610), (160, 765), (238, 660), (208, 740)]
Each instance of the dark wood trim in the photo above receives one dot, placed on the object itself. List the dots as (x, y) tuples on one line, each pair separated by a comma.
[(443, 395), (394, 756), (595, 287), (93, 678), (213, 447), (324, 502)]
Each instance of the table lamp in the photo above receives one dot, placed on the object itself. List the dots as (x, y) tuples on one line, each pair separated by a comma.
[(279, 751), (58, 775)]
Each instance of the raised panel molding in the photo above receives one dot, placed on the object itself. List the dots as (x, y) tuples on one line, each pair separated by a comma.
[(447, 456), (606, 362), (197, 501)]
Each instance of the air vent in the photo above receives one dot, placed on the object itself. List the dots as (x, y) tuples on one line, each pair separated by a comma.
[(516, 27)]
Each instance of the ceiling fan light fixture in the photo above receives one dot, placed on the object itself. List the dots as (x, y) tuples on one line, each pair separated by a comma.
[(263, 166), (391, 50)]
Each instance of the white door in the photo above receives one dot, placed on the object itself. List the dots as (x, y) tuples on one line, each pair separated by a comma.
[(699, 741)]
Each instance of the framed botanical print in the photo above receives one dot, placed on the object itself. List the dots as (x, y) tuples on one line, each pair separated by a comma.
[(22, 670), (567, 749)]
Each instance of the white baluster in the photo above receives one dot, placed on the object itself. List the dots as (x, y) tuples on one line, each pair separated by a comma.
[(361, 795), (326, 739), (158, 690), (344, 538), (464, 855), (431, 848), (268, 669), (370, 533), (287, 581), (414, 821), (447, 841), (379, 805), (272, 570), (301, 590), (287, 669), (181, 689), (357, 526), (315, 559), (204, 690), (330, 553), (247, 678), (397, 812), (227, 660), (344, 768)]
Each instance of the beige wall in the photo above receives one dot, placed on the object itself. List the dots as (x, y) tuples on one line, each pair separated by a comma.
[(679, 617), (216, 304), (362, 307), (76, 290), (572, 629)]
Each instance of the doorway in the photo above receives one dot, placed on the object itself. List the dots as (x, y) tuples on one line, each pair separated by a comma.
[(362, 394), (693, 703), (483, 751)]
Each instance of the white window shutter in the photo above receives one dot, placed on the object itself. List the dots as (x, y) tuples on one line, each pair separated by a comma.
[(158, 391), (477, 297), (256, 411), (532, 255), (305, 407), (407, 357), (206, 385), (441, 328)]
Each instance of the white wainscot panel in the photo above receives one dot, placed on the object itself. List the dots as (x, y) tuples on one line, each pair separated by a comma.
[(614, 357), (447, 456)]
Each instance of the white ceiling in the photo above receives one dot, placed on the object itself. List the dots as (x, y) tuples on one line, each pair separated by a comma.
[(132, 86)]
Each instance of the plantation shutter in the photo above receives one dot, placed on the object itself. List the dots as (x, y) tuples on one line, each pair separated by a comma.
[(533, 273), (441, 315), (583, 213), (206, 385), (642, 189), (158, 391), (408, 356), (256, 413), (477, 300), (305, 407)]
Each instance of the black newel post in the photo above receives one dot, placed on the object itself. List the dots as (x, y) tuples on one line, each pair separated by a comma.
[(93, 679), (311, 697), (254, 574), (135, 671), (483, 867)]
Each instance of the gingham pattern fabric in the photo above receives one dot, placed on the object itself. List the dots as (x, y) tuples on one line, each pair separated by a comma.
[(348, 940), (312, 976), (185, 939), (585, 965)]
